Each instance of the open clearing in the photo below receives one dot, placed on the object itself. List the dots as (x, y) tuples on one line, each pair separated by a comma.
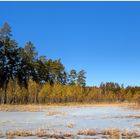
[(79, 121)]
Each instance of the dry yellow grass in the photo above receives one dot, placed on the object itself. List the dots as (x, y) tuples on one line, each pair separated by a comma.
[(88, 132), (51, 113), (106, 133), (42, 133), (113, 133), (128, 134), (77, 104), (39, 133), (19, 133), (40, 107), (22, 108), (70, 124)]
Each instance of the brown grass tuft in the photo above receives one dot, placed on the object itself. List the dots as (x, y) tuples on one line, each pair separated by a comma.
[(88, 132), (113, 133), (41, 133), (70, 125), (19, 133), (128, 134)]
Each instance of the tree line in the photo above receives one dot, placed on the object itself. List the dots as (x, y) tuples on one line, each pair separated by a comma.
[(22, 64), (26, 77)]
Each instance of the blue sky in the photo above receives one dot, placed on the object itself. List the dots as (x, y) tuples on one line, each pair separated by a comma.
[(103, 38)]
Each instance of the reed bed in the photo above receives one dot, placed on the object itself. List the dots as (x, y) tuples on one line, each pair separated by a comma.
[(114, 133), (19, 133)]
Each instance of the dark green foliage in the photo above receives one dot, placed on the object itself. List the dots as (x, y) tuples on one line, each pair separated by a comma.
[(81, 78), (73, 77), (9, 58)]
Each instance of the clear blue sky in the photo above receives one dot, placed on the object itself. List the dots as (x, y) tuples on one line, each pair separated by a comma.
[(103, 38)]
